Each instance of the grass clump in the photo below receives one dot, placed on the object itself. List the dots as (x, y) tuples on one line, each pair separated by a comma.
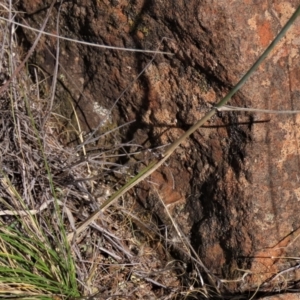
[(29, 268), (35, 258)]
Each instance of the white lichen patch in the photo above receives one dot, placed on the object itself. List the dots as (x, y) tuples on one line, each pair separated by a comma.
[(103, 112)]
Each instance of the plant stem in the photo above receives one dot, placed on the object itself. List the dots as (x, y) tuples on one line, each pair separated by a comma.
[(156, 163), (256, 110)]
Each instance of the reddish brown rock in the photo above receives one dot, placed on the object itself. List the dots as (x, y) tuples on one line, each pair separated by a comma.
[(285, 296), (239, 175)]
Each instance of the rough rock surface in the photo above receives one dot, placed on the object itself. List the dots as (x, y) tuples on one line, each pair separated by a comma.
[(238, 177)]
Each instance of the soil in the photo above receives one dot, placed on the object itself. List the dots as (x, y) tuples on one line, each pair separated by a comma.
[(233, 185)]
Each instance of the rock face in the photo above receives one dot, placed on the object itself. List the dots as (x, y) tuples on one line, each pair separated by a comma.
[(238, 177)]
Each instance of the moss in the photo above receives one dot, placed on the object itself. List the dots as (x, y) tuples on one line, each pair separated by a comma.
[(143, 29), (136, 21)]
